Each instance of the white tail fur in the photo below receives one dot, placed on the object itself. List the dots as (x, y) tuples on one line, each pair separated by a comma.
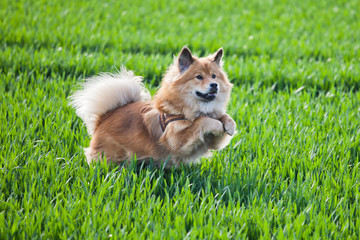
[(106, 92)]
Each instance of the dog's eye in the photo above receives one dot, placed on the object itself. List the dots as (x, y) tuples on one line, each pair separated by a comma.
[(199, 77), (213, 76)]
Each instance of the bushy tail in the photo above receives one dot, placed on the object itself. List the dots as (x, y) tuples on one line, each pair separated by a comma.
[(106, 92)]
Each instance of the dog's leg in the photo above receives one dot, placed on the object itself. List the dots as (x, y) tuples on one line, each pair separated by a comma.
[(104, 145), (217, 142), (229, 124), (116, 157), (182, 138)]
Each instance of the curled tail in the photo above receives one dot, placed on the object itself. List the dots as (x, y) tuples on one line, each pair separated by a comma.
[(106, 92)]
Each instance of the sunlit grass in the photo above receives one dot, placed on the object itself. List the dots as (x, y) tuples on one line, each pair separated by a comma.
[(291, 171)]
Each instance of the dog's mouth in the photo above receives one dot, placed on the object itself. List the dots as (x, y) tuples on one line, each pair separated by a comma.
[(211, 95)]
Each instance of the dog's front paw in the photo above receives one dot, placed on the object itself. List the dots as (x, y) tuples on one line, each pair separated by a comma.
[(212, 126), (229, 125)]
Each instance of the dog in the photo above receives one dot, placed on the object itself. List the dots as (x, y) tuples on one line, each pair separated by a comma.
[(184, 121)]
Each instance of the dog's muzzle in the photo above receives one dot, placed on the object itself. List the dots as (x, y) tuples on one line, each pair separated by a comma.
[(211, 94)]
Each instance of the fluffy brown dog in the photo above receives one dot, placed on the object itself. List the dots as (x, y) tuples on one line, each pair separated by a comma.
[(183, 122)]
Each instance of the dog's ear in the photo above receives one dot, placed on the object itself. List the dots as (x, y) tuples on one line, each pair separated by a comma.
[(185, 59), (218, 56)]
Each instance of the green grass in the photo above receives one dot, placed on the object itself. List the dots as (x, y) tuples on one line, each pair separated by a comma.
[(291, 171)]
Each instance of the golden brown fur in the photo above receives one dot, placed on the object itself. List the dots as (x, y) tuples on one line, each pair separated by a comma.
[(134, 128)]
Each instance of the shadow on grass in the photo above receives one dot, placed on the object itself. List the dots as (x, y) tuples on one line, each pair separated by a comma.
[(202, 182)]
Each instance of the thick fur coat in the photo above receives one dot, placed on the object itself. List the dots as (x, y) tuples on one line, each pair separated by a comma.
[(124, 121)]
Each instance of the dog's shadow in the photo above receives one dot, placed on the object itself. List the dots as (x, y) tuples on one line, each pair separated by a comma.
[(204, 183)]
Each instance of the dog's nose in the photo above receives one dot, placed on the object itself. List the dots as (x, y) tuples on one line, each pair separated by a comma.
[(214, 85)]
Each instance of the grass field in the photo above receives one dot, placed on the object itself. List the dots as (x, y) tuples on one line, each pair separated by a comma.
[(291, 171)]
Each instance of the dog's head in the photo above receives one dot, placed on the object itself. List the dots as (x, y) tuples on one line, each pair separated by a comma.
[(196, 86)]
